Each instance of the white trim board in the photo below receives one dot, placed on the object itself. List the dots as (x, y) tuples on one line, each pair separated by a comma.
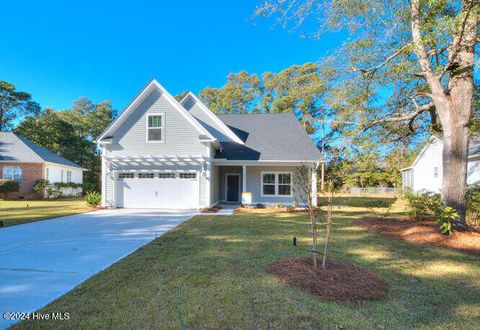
[(162, 127)]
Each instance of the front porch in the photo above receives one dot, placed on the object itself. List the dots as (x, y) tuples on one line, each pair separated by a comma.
[(257, 183)]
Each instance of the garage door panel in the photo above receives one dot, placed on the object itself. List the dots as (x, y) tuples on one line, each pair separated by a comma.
[(157, 193)]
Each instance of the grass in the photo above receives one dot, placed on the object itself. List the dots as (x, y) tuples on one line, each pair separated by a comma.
[(15, 212), (212, 268)]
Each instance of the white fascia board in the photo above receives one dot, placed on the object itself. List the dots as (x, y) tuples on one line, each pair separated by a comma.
[(263, 162), (140, 97), (217, 120)]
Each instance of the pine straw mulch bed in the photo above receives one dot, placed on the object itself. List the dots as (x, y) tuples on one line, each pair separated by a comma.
[(340, 281), (424, 233), (266, 210), (214, 209)]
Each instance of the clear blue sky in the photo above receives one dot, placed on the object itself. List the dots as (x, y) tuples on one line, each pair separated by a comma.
[(60, 51)]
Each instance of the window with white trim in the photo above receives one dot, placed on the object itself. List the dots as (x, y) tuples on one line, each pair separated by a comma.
[(146, 175), (47, 174), (186, 175), (166, 175), (276, 184), (268, 183), (13, 173), (284, 184), (435, 172), (155, 128), (61, 176), (126, 175), (69, 176)]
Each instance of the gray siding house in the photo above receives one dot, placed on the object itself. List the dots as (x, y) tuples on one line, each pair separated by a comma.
[(161, 153)]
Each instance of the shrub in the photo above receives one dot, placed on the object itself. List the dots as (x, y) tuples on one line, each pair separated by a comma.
[(72, 185), (380, 208), (8, 186), (88, 187), (93, 198), (473, 206), (445, 218), (51, 192), (40, 187), (428, 205), (424, 205)]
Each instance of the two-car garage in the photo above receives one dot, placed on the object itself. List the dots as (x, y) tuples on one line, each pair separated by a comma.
[(163, 190)]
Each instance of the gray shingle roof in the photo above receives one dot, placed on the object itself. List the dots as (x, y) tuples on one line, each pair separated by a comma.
[(276, 136), (15, 148)]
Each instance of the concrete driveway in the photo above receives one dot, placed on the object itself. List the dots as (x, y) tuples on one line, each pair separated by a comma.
[(40, 261)]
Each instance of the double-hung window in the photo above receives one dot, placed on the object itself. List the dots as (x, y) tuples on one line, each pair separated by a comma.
[(156, 127), (13, 173), (435, 172), (276, 184), (69, 176)]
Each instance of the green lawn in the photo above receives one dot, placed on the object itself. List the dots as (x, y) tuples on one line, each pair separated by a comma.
[(213, 268), (15, 212)]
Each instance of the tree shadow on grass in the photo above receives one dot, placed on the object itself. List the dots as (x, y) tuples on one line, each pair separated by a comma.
[(220, 264)]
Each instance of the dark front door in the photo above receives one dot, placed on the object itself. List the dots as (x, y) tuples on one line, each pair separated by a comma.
[(233, 185)]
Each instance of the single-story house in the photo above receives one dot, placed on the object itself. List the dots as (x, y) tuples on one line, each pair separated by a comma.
[(162, 153), (426, 172), (26, 162)]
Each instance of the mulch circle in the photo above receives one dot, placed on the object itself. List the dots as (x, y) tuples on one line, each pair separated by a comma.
[(340, 281)]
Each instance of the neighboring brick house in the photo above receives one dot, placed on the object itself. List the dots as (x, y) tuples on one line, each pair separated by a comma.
[(26, 162)]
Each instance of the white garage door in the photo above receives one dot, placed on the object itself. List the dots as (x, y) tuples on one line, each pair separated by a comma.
[(157, 190)]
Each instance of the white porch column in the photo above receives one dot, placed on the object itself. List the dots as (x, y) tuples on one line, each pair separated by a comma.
[(104, 178), (244, 178), (314, 185)]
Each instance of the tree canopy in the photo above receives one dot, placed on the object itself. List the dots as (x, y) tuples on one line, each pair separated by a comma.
[(298, 89), (71, 133), (405, 61), (15, 106)]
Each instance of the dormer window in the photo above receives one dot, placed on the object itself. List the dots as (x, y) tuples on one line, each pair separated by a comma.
[(156, 127)]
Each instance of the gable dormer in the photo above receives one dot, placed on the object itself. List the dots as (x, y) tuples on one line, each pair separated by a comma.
[(208, 119)]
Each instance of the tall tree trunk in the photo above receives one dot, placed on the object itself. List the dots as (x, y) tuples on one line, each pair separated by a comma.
[(455, 156), (453, 104), (456, 120)]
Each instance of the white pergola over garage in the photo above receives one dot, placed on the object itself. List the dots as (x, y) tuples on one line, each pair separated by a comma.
[(166, 182)]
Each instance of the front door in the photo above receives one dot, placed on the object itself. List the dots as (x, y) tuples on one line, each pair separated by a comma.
[(233, 188)]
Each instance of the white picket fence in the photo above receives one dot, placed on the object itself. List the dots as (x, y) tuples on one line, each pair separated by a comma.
[(374, 191)]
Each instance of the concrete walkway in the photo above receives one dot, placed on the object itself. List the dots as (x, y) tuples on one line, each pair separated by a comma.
[(40, 261)]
